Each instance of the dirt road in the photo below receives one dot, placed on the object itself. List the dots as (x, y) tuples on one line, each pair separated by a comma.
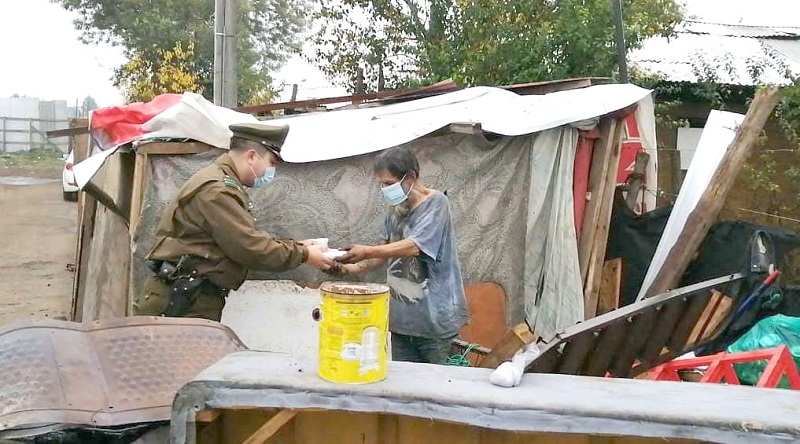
[(37, 241)]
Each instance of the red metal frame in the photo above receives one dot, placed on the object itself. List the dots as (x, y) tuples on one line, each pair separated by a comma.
[(720, 367)]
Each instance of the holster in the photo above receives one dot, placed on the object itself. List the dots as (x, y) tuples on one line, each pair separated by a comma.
[(184, 285)]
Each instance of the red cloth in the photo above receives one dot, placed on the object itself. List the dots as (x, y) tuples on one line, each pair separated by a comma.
[(117, 125)]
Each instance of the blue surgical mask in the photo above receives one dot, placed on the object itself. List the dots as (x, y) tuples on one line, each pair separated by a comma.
[(394, 194), (265, 179)]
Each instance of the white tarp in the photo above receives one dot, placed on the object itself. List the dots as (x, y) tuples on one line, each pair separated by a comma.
[(646, 121), (339, 134), (552, 283), (717, 135)]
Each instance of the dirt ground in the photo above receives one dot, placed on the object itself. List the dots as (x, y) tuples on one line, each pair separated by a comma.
[(37, 242)]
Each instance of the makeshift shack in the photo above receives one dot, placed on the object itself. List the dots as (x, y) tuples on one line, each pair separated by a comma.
[(530, 179)]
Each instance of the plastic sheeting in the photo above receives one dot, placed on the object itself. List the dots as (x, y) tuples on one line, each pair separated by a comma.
[(462, 395), (486, 182), (346, 133), (498, 191), (552, 282), (646, 121), (717, 135)]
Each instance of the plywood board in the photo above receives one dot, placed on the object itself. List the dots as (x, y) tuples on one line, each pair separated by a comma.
[(487, 314)]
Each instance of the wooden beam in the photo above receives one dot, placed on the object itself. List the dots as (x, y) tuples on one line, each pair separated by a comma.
[(597, 179), (270, 427), (173, 148), (711, 202), (437, 88), (610, 286), (67, 132), (514, 340), (207, 415), (140, 177), (597, 254), (713, 316), (87, 209)]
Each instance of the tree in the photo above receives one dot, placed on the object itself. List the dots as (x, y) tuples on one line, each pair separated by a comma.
[(770, 180), (142, 78), (479, 42), (88, 105), (267, 33)]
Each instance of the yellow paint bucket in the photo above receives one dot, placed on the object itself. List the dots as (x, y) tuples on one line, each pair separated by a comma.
[(352, 332)]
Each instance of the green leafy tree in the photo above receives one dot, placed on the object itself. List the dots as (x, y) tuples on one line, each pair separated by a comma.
[(143, 78), (399, 42), (267, 33), (770, 180)]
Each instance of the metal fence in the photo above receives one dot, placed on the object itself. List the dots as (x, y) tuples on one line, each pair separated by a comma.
[(23, 134)]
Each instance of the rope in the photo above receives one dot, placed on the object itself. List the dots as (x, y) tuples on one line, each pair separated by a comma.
[(460, 360)]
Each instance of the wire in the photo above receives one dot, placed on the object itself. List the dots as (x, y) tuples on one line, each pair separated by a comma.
[(659, 193)]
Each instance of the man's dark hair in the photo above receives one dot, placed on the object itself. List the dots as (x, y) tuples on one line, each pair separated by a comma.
[(239, 144), (399, 161)]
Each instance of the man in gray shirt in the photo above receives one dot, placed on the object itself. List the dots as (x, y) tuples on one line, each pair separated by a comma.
[(427, 306)]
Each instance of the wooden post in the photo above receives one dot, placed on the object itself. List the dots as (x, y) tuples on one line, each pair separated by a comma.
[(140, 178), (599, 241), (87, 208), (610, 286), (597, 179), (713, 198)]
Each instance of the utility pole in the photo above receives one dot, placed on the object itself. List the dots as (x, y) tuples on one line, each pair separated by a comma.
[(225, 79), (619, 40)]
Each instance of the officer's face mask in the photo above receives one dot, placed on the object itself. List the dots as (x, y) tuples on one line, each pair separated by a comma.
[(264, 179), (394, 194)]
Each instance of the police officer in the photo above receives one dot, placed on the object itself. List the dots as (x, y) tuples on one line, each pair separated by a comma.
[(207, 238)]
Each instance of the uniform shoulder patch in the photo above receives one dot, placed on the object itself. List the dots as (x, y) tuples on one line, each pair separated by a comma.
[(228, 181)]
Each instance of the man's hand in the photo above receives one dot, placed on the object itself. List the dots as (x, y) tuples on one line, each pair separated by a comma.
[(317, 259), (355, 253)]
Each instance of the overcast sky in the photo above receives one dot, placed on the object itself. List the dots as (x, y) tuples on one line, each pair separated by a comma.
[(42, 57)]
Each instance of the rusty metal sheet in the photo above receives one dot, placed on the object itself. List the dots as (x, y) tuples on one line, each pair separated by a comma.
[(101, 374), (635, 338)]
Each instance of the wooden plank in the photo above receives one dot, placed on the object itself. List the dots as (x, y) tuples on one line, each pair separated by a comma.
[(270, 427), (437, 88), (387, 429), (173, 148), (337, 427), (108, 266), (714, 315), (140, 176), (67, 132), (597, 179), (87, 208), (207, 415), (610, 286), (514, 340), (486, 303), (713, 198), (600, 240)]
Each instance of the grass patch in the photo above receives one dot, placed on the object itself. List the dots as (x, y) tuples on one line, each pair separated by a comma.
[(36, 159)]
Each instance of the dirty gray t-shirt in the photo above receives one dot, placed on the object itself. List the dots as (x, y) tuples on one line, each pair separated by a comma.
[(427, 291)]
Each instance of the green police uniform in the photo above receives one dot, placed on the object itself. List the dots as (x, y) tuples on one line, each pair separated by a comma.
[(210, 224)]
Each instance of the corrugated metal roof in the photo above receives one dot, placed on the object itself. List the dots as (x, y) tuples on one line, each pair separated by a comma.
[(744, 31), (734, 54)]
